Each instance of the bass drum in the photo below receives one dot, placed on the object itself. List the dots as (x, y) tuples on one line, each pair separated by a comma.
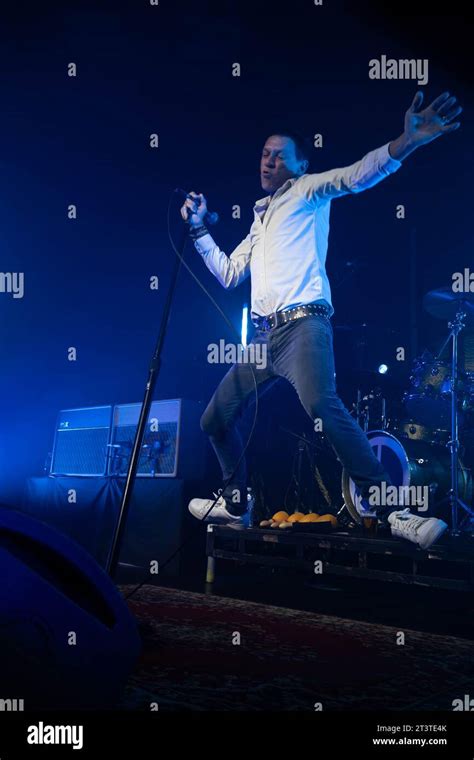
[(411, 463)]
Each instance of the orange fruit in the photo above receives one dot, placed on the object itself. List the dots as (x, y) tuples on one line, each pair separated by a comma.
[(310, 518), (328, 518), (296, 517), (280, 516)]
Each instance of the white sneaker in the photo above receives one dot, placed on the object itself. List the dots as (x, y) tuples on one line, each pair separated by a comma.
[(423, 531), (219, 514)]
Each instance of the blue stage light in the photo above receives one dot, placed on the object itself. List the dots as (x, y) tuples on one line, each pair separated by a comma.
[(383, 369), (245, 315)]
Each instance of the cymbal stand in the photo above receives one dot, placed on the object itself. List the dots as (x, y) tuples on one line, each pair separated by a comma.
[(453, 498)]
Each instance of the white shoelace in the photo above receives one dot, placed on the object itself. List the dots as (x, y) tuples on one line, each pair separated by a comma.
[(410, 523)]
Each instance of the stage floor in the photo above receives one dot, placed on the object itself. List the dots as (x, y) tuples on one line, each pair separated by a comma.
[(286, 659)]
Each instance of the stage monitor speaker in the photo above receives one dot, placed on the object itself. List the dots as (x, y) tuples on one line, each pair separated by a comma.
[(67, 638), (171, 447), (81, 440)]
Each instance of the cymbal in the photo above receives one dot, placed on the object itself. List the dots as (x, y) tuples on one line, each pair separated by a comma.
[(443, 303)]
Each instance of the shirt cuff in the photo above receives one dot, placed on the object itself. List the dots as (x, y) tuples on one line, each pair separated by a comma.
[(386, 162), (204, 244)]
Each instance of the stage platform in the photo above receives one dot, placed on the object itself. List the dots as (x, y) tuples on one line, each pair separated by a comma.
[(447, 565)]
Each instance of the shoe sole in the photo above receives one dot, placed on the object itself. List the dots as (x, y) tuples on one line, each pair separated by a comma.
[(236, 526), (210, 520), (432, 535)]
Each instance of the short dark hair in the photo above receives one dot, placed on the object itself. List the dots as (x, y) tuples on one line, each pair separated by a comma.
[(302, 144)]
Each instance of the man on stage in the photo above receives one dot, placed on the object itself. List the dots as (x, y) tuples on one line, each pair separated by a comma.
[(285, 254)]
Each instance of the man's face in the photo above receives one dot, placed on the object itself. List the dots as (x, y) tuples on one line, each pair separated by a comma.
[(279, 163)]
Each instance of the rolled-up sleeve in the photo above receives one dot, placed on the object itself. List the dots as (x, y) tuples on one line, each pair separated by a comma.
[(363, 174), (229, 270)]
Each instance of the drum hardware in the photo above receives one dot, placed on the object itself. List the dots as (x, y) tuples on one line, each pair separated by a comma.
[(411, 464), (365, 404), (361, 412), (468, 400), (420, 446), (309, 451), (468, 341), (456, 307)]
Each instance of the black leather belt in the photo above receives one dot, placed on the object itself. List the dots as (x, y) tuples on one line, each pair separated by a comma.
[(282, 317)]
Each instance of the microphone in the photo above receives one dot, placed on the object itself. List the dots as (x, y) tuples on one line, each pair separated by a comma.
[(211, 217)]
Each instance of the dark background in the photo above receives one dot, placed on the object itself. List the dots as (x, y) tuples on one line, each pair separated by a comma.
[(167, 69)]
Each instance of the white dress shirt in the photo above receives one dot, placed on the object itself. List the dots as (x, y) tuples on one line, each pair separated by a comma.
[(285, 250)]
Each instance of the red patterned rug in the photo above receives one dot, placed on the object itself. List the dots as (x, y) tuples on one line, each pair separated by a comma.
[(204, 652)]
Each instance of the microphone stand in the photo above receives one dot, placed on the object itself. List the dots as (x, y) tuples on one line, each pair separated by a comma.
[(153, 372)]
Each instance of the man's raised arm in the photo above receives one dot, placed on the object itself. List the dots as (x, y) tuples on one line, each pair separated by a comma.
[(420, 128)]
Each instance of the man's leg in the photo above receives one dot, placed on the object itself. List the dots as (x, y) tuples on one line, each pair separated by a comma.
[(303, 353), (232, 397)]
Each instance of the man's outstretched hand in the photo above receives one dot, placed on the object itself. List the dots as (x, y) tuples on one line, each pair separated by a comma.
[(423, 126)]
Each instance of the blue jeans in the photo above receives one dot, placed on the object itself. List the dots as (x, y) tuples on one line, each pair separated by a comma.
[(301, 352)]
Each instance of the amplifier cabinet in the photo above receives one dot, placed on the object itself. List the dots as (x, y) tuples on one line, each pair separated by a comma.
[(81, 441), (172, 445)]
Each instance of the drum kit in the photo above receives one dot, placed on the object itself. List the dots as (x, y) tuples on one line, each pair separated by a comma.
[(420, 445)]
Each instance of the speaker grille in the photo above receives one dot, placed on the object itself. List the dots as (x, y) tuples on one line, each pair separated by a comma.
[(81, 440), (159, 454)]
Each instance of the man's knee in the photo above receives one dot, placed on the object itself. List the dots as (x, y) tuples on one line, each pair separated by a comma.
[(322, 406), (206, 422), (212, 423)]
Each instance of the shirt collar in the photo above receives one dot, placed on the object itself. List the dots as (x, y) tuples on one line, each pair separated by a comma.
[(263, 203)]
